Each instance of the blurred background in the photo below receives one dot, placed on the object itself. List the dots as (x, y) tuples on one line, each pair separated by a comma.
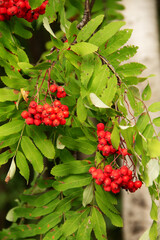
[(144, 17)]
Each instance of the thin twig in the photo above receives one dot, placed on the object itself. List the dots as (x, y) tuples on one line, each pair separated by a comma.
[(86, 16), (104, 60)]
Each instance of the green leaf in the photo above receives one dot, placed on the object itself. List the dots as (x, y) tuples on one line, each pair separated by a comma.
[(22, 165), (154, 107), (107, 208), (86, 147), (49, 222), (11, 127), (154, 211), (105, 33), (146, 94), (153, 231), (88, 195), (97, 102), (156, 121), (153, 169), (148, 131), (5, 156), (9, 141), (153, 146), (40, 139), (115, 137), (71, 225), (73, 167), (131, 69), (117, 41), (109, 93), (89, 28), (15, 83), (8, 95), (40, 201), (81, 110), (84, 230), (20, 30), (32, 154), (72, 182), (47, 26), (142, 122), (101, 77), (53, 234), (74, 59), (87, 68), (34, 4), (99, 225), (84, 48)]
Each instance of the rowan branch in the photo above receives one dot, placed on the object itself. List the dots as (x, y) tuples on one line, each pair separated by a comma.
[(87, 14)]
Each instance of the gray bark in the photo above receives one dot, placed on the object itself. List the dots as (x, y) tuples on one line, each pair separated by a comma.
[(141, 15)]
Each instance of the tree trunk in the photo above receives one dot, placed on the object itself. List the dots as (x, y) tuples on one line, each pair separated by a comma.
[(141, 15)]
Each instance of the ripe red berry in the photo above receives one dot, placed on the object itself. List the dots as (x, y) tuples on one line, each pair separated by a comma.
[(107, 188), (92, 169), (100, 126), (125, 179), (101, 134), (124, 151), (138, 184), (32, 111), (108, 169), (37, 116), (115, 174), (60, 89), (108, 136), (63, 121), (45, 106), (66, 114), (29, 121), (106, 150), (39, 108), (103, 142), (107, 182), (33, 104), (37, 122), (119, 180), (25, 114), (57, 103), (124, 170), (130, 184), (64, 107), (100, 147), (12, 10), (53, 88), (56, 123)]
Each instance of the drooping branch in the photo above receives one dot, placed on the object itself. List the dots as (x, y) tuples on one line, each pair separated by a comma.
[(87, 14)]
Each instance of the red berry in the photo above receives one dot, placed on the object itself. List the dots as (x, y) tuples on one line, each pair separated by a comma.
[(44, 114), (63, 121), (49, 110), (60, 89), (64, 107), (47, 121), (108, 136), (94, 174), (100, 126), (107, 188), (92, 169), (138, 184), (108, 169), (25, 114), (107, 182), (98, 182), (114, 186), (45, 106), (106, 150), (33, 104), (124, 151), (57, 103), (3, 10), (103, 142), (119, 180), (130, 184), (100, 177), (56, 123), (124, 170), (53, 88), (37, 122), (125, 179), (60, 115), (101, 134), (39, 108), (115, 174), (12, 11), (100, 147), (66, 114), (32, 111), (37, 116), (52, 116), (29, 121)]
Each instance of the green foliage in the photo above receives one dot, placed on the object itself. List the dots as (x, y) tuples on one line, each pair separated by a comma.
[(62, 200)]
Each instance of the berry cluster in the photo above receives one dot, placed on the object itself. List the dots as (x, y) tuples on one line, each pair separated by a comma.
[(105, 145), (52, 115), (60, 91), (114, 179), (21, 9)]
